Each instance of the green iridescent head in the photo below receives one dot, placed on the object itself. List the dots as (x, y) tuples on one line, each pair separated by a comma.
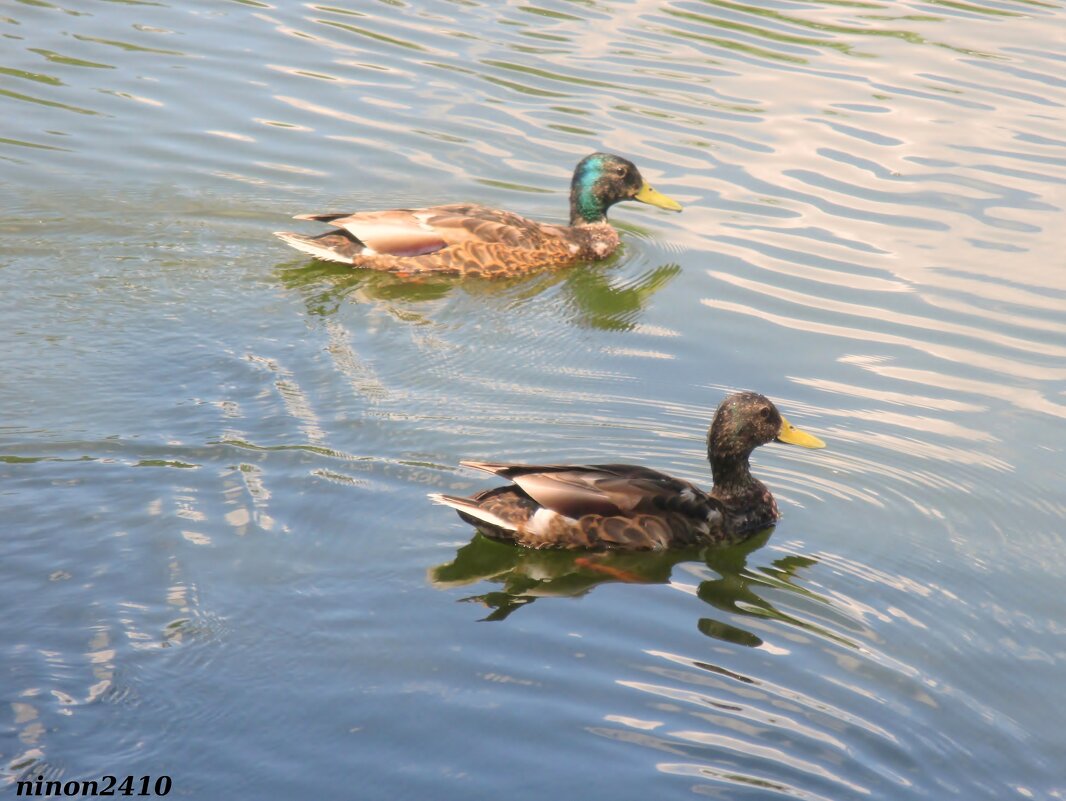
[(601, 180)]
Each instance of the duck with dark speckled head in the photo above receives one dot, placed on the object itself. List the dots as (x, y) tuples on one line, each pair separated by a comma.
[(636, 508)]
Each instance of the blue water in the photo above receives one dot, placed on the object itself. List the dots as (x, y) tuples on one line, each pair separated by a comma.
[(218, 560)]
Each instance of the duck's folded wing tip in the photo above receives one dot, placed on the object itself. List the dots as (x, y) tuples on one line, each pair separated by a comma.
[(470, 507)]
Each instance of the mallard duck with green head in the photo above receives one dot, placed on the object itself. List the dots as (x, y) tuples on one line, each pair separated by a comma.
[(628, 507), (468, 239)]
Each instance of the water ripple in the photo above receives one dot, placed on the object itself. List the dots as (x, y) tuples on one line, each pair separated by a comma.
[(215, 453)]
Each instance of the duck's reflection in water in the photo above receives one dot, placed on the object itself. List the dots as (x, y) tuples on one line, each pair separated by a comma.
[(526, 575), (737, 588), (593, 296)]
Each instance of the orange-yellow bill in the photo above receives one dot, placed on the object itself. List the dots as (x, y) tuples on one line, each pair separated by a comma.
[(795, 436), (651, 197)]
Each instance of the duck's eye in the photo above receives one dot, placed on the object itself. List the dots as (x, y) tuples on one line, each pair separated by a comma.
[(764, 413), (621, 171)]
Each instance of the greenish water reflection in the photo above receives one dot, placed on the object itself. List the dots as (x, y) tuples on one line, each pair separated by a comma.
[(598, 295), (527, 575)]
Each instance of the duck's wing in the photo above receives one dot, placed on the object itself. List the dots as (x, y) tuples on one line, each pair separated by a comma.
[(467, 222), (607, 489), (397, 232), (417, 232)]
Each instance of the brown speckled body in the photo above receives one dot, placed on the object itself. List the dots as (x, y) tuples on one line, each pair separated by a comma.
[(666, 512), (636, 508), (489, 243), (476, 241)]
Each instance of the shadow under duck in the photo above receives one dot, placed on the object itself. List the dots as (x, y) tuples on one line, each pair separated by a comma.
[(628, 507), (468, 239)]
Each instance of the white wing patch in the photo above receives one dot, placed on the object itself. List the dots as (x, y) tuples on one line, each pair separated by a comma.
[(541, 522), (423, 218)]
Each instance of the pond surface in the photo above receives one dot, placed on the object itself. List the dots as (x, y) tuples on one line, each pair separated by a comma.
[(218, 558)]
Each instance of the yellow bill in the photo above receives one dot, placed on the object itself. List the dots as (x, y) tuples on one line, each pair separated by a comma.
[(653, 198), (794, 436)]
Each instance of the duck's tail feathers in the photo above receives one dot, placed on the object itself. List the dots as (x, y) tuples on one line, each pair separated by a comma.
[(321, 217), (504, 469), (469, 508), (313, 246)]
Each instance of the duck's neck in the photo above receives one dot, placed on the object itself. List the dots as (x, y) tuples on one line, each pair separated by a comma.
[(732, 473), (585, 207), (747, 502), (588, 205)]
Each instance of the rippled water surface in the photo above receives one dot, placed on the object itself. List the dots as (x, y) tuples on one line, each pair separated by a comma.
[(218, 559)]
